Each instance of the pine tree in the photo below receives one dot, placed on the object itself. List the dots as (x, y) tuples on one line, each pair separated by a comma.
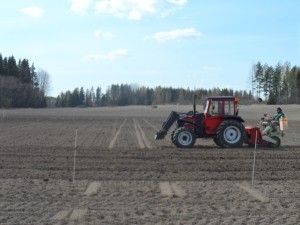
[(276, 82), (12, 67), (1, 65), (81, 96), (25, 75), (5, 67), (98, 96), (259, 77), (33, 76), (298, 86), (267, 81), (92, 96), (87, 98), (75, 98)]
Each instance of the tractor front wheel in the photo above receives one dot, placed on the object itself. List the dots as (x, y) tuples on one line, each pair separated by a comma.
[(231, 134), (183, 137)]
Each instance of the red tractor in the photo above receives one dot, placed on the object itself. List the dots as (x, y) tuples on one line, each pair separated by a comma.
[(219, 121)]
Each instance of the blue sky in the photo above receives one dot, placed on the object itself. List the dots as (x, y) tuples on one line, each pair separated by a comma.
[(178, 43)]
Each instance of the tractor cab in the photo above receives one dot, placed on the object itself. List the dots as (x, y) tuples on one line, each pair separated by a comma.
[(218, 109), (221, 106)]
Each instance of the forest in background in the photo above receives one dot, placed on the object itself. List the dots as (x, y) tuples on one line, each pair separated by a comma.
[(275, 85), (126, 94), (22, 86)]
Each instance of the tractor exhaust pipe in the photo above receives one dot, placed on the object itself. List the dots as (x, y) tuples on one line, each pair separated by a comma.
[(194, 104)]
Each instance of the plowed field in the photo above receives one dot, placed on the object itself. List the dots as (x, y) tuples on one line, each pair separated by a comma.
[(123, 176)]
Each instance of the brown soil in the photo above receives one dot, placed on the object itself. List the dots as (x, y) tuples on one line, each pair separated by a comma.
[(124, 176)]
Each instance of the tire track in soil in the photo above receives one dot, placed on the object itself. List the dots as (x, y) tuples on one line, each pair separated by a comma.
[(71, 214), (171, 189), (101, 137), (73, 209), (92, 188), (113, 133), (139, 138), (60, 133), (151, 125), (140, 134), (178, 209), (256, 194), (75, 214), (61, 214), (78, 213), (92, 134), (113, 141)]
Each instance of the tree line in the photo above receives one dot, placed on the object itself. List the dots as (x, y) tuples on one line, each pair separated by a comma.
[(133, 94), (20, 84), (278, 84)]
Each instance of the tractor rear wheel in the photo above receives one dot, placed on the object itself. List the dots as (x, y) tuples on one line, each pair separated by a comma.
[(183, 137), (231, 134), (216, 141)]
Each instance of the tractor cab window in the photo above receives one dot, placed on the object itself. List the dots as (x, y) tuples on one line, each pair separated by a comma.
[(216, 108), (229, 108)]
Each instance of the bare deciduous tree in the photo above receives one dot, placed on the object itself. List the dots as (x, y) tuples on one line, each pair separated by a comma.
[(44, 81)]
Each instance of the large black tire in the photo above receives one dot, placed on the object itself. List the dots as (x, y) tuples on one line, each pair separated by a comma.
[(231, 134), (277, 144), (217, 142), (172, 136), (183, 137)]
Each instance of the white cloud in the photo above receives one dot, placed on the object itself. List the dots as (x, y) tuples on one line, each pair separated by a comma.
[(80, 6), (103, 34), (172, 7), (33, 11), (177, 34), (136, 9), (110, 56), (178, 2)]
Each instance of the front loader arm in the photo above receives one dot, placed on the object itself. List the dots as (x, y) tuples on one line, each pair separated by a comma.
[(166, 125)]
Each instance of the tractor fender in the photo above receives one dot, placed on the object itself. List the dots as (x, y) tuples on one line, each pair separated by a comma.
[(181, 122), (238, 118)]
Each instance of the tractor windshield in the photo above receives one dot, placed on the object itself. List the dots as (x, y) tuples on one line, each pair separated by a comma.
[(216, 108), (213, 107)]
